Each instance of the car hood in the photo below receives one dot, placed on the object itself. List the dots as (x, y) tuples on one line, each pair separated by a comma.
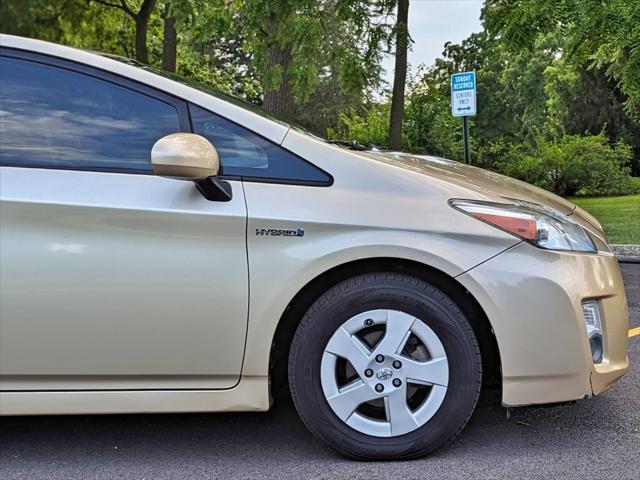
[(477, 183)]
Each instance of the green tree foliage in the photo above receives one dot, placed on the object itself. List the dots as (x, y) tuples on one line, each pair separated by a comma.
[(70, 22), (581, 100), (573, 165), (140, 14), (302, 47), (368, 128), (603, 35), (428, 127), (212, 49)]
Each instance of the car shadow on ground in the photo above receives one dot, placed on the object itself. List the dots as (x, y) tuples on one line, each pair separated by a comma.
[(589, 439), (279, 434)]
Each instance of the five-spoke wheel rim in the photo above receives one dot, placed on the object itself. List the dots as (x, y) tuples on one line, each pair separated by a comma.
[(384, 373)]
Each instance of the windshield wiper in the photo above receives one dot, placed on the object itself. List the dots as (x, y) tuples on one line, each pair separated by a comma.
[(352, 144)]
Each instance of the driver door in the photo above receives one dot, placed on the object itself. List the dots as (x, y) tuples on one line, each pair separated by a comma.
[(110, 277)]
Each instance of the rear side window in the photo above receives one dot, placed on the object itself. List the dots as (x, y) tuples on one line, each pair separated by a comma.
[(51, 117), (245, 154)]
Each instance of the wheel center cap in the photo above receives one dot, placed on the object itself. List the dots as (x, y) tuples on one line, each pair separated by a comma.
[(384, 374)]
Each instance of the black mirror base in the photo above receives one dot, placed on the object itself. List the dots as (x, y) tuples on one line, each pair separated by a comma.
[(214, 189)]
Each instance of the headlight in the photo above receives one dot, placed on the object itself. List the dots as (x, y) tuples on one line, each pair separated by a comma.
[(541, 226)]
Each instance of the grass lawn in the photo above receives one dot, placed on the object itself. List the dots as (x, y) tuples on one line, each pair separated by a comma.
[(620, 216)]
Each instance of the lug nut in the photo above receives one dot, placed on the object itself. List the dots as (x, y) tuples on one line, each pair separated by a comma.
[(397, 382), (379, 387), (379, 358), (368, 322), (397, 364), (368, 372)]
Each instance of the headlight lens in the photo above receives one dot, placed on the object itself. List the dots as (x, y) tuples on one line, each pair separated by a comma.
[(539, 225)]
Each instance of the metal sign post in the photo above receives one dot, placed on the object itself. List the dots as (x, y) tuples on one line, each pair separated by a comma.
[(463, 104)]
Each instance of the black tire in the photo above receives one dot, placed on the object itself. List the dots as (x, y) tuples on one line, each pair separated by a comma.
[(385, 291)]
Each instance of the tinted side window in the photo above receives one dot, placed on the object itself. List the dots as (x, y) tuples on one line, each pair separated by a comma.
[(56, 118), (248, 155)]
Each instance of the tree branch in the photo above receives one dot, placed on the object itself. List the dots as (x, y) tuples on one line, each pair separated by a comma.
[(127, 9), (122, 6)]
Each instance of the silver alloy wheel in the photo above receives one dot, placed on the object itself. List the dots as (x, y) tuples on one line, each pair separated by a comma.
[(384, 373)]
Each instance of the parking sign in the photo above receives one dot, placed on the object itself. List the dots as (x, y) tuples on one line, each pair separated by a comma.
[(463, 94)]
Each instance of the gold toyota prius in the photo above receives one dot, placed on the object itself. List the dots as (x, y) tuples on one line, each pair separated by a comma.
[(168, 249)]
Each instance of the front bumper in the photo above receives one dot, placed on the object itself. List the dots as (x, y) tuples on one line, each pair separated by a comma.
[(533, 298)]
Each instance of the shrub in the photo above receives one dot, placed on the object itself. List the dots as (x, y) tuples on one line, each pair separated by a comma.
[(573, 165), (369, 128)]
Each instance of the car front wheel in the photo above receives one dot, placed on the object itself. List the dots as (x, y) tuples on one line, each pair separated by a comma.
[(385, 366)]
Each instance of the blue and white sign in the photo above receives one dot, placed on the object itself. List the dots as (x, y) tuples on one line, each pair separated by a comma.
[(463, 94)]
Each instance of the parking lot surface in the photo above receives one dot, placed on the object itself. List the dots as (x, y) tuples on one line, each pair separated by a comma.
[(595, 438)]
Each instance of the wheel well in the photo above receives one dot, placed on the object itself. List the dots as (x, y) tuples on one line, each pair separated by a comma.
[(304, 298)]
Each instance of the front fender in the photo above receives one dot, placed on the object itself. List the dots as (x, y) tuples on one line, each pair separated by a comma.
[(280, 267)]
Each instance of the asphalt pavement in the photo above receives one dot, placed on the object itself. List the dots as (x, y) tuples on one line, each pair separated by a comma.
[(597, 438)]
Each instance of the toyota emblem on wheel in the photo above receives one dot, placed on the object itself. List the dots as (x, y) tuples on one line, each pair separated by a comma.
[(384, 374)]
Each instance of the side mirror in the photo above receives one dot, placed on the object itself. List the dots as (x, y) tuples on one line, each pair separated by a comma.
[(184, 156), (187, 156)]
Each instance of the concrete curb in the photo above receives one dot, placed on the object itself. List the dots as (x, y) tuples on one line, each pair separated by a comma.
[(627, 253)]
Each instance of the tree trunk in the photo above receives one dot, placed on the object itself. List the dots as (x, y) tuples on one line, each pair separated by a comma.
[(399, 76), (170, 42), (142, 25), (279, 100)]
